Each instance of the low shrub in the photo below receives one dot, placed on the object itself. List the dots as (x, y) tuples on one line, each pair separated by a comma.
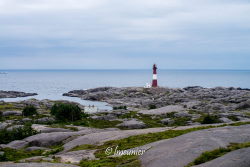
[(29, 110), (67, 112), (210, 119), (7, 136), (120, 108), (152, 106)]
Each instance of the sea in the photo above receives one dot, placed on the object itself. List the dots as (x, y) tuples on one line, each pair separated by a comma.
[(51, 84)]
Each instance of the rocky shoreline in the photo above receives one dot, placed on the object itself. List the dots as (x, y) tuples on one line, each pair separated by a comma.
[(199, 98), (14, 94)]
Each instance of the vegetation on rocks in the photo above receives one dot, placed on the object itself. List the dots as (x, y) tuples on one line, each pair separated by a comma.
[(152, 106), (94, 123), (29, 110), (132, 142), (120, 108), (123, 161), (210, 155), (66, 112), (15, 155), (210, 119), (19, 133)]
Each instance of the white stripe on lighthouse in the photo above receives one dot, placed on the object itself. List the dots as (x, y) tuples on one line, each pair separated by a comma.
[(154, 77)]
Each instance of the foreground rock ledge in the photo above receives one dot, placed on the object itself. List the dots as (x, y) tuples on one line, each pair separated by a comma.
[(14, 94), (240, 158), (36, 165), (182, 150)]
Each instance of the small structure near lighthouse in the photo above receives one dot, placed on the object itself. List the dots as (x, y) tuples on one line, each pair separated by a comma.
[(154, 81)]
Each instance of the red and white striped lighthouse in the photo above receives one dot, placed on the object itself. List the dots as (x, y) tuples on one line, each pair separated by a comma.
[(154, 81)]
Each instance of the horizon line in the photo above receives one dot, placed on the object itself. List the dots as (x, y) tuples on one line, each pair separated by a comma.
[(128, 69)]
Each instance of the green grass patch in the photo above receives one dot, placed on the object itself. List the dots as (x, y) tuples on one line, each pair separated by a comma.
[(7, 106), (147, 119), (123, 161), (96, 123), (233, 118), (63, 126), (208, 119), (15, 155), (213, 154), (180, 121), (84, 147)]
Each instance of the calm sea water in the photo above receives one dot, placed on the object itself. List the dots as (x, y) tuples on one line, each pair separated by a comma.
[(51, 84)]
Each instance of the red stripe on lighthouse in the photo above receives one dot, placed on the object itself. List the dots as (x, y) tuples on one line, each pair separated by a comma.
[(154, 81)]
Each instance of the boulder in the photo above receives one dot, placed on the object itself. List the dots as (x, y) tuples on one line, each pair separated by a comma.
[(243, 105), (225, 120), (49, 139), (45, 120), (163, 110), (17, 144), (133, 124), (50, 130), (14, 127), (24, 120), (75, 157), (42, 164), (182, 114), (3, 125), (107, 117), (33, 159), (35, 148), (167, 121), (9, 113)]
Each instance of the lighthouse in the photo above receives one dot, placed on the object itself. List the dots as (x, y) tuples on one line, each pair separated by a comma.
[(154, 81)]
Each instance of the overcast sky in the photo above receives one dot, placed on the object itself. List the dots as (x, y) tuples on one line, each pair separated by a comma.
[(120, 34)]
